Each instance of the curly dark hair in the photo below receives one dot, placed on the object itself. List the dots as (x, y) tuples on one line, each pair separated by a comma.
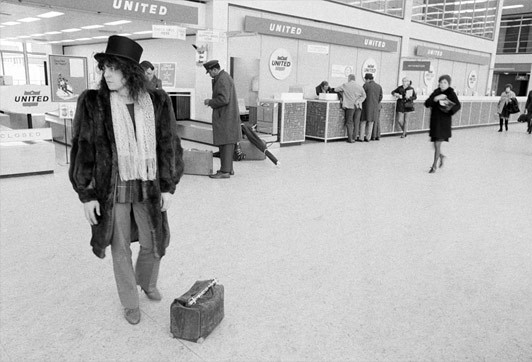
[(133, 73)]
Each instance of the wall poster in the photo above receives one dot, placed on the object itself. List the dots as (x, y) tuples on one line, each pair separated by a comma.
[(68, 77)]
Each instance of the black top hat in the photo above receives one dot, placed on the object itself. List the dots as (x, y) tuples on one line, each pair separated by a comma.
[(123, 47), (368, 76), (211, 64)]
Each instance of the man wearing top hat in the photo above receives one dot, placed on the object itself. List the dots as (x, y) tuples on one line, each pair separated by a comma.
[(225, 117), (126, 160)]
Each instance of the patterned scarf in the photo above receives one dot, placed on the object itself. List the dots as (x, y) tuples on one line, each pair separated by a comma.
[(136, 150)]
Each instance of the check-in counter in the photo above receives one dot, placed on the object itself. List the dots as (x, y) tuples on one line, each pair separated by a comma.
[(325, 120), (285, 118), (475, 111)]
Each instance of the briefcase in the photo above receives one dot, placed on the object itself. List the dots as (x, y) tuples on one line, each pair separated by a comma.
[(197, 162), (195, 314)]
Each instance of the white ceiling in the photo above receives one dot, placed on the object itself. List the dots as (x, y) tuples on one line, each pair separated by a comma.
[(35, 31)]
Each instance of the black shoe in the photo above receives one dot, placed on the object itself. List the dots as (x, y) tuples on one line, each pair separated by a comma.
[(500, 130), (219, 175), (365, 139), (231, 173), (154, 294), (432, 170), (377, 139), (350, 141), (359, 140)]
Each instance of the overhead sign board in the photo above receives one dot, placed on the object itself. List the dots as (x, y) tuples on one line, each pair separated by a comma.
[(148, 10), (298, 31), (169, 32), (416, 65), (427, 52)]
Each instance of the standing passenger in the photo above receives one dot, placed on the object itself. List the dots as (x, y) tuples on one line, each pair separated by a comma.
[(225, 117), (406, 95), (441, 115), (149, 71), (126, 160), (371, 109), (502, 107), (353, 95), (528, 112)]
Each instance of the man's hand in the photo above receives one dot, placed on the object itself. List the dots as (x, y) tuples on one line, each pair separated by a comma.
[(92, 208), (166, 201), (206, 102)]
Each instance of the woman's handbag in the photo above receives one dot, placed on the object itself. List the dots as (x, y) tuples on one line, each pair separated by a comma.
[(522, 118), (446, 105)]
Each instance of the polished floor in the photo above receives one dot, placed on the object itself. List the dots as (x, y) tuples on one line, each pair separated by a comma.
[(347, 252)]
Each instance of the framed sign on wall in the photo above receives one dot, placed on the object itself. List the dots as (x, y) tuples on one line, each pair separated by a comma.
[(68, 77)]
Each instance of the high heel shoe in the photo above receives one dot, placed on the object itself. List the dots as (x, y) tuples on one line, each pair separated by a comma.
[(432, 170), (442, 157)]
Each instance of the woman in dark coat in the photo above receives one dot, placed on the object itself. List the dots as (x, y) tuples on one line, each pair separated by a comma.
[(528, 112), (442, 110), (406, 95)]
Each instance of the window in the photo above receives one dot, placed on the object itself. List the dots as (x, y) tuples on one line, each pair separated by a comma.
[(515, 34), (13, 55), (390, 7), (475, 17), (14, 66)]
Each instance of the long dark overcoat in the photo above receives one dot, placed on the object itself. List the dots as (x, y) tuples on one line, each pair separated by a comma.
[(94, 167), (225, 113), (372, 104), (441, 122)]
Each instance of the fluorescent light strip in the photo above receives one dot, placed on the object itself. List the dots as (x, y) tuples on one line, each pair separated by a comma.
[(143, 32), (92, 27), (124, 34), (82, 39), (100, 37), (51, 14), (28, 20), (37, 34), (52, 32), (72, 30), (11, 23), (118, 22), (512, 7)]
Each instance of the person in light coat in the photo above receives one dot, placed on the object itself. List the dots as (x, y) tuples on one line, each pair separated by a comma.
[(502, 106), (353, 95)]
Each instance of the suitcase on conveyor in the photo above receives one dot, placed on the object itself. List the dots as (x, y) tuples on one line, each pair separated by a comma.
[(195, 314)]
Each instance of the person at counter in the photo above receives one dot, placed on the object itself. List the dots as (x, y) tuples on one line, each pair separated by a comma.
[(226, 130), (323, 87), (352, 97), (405, 95), (149, 71), (503, 106), (371, 109), (126, 161), (528, 112), (443, 103)]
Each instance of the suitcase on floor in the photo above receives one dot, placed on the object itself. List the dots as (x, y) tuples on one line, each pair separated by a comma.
[(195, 314), (197, 162)]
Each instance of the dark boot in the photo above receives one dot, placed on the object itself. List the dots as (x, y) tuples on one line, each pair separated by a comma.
[(500, 124), (506, 124)]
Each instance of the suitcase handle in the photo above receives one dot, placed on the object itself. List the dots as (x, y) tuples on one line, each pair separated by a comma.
[(192, 300)]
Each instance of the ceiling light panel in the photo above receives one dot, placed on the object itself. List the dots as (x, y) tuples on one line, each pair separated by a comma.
[(11, 23), (51, 14), (72, 30), (92, 27), (118, 22), (28, 20)]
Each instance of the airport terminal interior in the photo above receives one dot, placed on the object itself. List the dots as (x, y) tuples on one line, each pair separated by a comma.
[(327, 250)]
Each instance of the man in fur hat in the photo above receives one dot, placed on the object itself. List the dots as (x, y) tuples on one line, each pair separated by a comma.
[(126, 161)]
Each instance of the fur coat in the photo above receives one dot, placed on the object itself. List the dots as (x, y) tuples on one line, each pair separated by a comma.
[(94, 167), (441, 122)]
